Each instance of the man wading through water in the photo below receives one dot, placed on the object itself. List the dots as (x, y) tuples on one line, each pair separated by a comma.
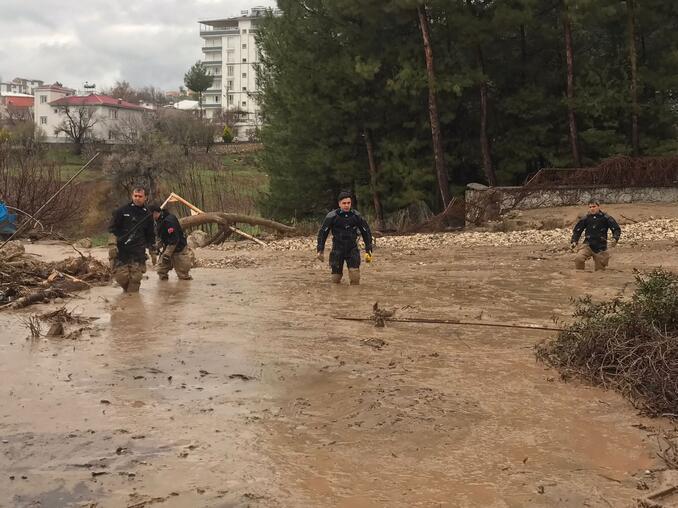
[(132, 226), (596, 224), (345, 225)]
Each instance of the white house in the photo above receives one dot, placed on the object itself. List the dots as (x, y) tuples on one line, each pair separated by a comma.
[(231, 55), (111, 119)]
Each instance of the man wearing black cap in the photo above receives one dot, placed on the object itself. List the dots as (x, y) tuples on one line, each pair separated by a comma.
[(174, 250), (346, 224), (595, 224)]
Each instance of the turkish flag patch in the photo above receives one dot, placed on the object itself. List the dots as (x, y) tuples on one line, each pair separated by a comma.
[(170, 230)]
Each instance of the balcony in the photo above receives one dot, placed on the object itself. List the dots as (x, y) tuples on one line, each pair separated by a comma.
[(209, 49), (211, 62), (211, 31)]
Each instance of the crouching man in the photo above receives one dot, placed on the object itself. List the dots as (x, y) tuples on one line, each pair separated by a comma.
[(595, 225), (346, 224), (132, 227), (174, 250)]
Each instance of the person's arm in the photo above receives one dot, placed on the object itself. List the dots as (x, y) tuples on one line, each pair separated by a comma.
[(115, 227), (616, 230), (149, 233), (325, 231), (171, 233), (366, 233), (578, 230)]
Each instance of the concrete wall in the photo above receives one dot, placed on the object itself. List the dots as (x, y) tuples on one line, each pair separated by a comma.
[(483, 204)]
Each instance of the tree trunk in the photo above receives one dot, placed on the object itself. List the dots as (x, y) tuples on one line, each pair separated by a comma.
[(374, 171), (484, 139), (633, 59), (571, 115), (438, 152)]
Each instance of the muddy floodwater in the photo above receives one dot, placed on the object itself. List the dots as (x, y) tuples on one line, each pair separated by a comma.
[(239, 388)]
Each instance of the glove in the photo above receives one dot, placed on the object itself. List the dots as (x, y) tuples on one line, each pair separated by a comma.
[(368, 257), (613, 243), (321, 256), (573, 245)]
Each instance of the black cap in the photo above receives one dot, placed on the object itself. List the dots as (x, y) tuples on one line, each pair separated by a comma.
[(154, 208), (344, 195)]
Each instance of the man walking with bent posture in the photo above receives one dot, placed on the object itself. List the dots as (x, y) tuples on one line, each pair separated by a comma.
[(345, 223), (596, 224)]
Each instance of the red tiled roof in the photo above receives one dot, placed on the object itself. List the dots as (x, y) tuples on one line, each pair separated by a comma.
[(19, 102), (94, 100)]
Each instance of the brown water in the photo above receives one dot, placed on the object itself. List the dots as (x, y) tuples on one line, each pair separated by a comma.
[(239, 389)]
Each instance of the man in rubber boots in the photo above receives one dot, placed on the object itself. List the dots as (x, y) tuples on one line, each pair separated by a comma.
[(174, 250), (132, 226), (345, 224), (595, 225)]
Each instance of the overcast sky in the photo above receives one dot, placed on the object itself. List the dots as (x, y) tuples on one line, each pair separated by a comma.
[(145, 42)]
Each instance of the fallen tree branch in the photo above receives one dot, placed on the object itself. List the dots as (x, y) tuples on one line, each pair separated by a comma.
[(228, 219), (453, 322)]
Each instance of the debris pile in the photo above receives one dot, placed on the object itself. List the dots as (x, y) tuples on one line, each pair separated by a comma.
[(25, 280), (230, 262), (628, 345)]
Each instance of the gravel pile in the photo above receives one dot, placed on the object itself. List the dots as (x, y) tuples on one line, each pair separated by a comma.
[(633, 234)]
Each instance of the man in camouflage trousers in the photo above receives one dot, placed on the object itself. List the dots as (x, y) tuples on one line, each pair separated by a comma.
[(132, 226), (174, 250)]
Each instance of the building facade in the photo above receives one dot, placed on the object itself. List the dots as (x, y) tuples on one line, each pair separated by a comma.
[(231, 55), (112, 120), (20, 86)]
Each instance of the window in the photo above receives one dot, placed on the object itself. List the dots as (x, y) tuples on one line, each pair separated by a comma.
[(111, 135), (244, 74), (244, 88), (56, 111), (229, 70), (216, 98), (244, 60), (43, 120), (244, 104), (229, 84), (112, 113), (43, 99), (244, 46), (230, 99), (244, 30)]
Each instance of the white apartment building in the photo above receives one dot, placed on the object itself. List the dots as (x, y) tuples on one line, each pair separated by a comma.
[(21, 86), (231, 56), (112, 116)]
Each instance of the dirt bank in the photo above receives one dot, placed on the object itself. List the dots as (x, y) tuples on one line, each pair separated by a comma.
[(240, 389)]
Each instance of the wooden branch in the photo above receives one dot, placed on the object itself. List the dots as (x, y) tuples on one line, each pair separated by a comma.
[(228, 219), (454, 322)]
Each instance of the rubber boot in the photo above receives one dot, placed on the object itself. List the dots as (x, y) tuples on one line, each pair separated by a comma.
[(336, 278), (354, 276)]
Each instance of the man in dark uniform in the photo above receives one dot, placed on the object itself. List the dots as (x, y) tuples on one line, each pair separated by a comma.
[(596, 224), (132, 226), (174, 251), (345, 224)]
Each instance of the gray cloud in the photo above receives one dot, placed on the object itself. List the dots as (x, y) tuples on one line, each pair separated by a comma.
[(145, 42)]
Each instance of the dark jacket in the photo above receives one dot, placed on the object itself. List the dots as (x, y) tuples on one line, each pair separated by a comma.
[(133, 228), (170, 232), (345, 227), (596, 227)]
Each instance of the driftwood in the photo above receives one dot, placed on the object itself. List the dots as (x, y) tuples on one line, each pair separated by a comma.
[(227, 220)]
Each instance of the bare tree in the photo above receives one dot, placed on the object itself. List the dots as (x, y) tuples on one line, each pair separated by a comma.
[(571, 115), (438, 151), (78, 125)]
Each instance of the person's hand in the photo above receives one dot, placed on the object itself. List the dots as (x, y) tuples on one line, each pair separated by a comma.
[(613, 243), (573, 245), (165, 258), (368, 257), (321, 255)]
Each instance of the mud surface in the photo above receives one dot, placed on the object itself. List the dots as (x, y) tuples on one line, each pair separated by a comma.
[(240, 389)]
